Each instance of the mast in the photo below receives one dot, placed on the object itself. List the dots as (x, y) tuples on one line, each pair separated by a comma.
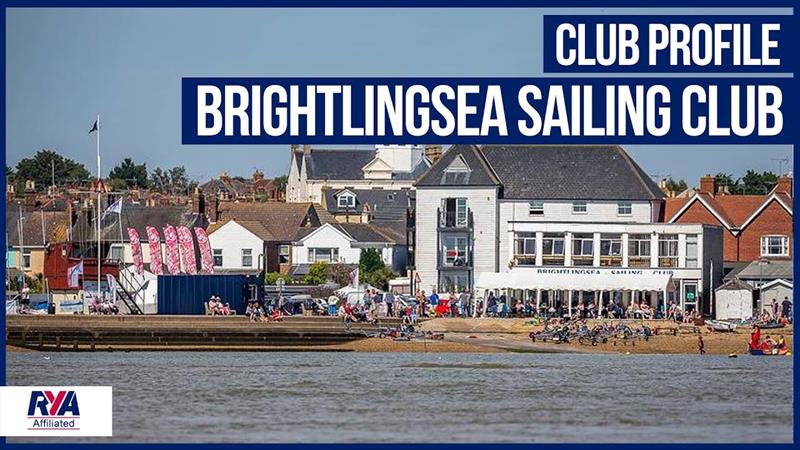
[(99, 258)]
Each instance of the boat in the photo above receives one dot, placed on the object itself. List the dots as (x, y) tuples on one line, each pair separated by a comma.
[(770, 325), (774, 352), (721, 326)]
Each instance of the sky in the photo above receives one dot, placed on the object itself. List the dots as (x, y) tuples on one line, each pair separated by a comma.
[(65, 66)]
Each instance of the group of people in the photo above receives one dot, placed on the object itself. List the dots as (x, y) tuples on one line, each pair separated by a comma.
[(256, 313), (777, 312), (217, 308), (769, 345), (103, 307)]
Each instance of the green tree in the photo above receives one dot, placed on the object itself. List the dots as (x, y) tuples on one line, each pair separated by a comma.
[(171, 181), (380, 278), (370, 261), (317, 273), (280, 183), (38, 168), (755, 183), (676, 186), (272, 278), (723, 179), (131, 173)]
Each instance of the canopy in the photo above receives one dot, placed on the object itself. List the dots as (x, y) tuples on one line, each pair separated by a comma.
[(354, 295), (590, 280)]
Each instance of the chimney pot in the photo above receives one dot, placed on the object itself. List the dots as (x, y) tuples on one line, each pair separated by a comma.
[(708, 185)]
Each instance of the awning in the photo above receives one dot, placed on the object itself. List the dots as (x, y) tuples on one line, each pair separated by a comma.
[(576, 280)]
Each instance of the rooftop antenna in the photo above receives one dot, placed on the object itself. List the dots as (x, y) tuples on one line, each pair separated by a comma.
[(781, 162)]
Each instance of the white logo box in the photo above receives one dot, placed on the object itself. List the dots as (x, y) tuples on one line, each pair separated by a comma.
[(51, 411)]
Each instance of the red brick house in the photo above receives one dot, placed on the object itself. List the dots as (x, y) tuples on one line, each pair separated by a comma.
[(755, 226)]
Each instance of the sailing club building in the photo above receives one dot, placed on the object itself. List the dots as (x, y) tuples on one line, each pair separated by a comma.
[(554, 224)]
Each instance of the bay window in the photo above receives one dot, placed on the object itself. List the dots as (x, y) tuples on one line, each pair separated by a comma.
[(525, 248), (639, 250), (454, 250), (611, 250), (321, 254), (668, 250), (582, 249), (553, 249)]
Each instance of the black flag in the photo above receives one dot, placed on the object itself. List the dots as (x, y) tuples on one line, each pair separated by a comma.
[(94, 127)]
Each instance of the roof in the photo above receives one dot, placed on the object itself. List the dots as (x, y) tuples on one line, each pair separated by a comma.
[(774, 269), (348, 164), (569, 172), (138, 217), (359, 232), (257, 228), (55, 227), (734, 285), (383, 204), (461, 165), (733, 211), (228, 185), (775, 282), (281, 219)]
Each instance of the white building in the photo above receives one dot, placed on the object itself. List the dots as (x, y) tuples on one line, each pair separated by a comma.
[(343, 244), (386, 167), (554, 223), (238, 246)]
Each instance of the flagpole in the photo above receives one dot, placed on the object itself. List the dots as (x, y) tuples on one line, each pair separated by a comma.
[(99, 258)]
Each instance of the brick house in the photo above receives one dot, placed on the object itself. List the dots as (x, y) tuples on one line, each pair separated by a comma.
[(755, 226)]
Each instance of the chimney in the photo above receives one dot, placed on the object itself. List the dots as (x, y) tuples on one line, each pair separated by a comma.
[(215, 211), (306, 149), (199, 202), (433, 153), (708, 185), (10, 192), (258, 176), (784, 184), (30, 193), (224, 177)]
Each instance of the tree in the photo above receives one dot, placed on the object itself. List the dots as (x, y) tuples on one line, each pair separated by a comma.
[(676, 186), (340, 274), (317, 273), (755, 183), (280, 183), (9, 174), (370, 261), (131, 173), (723, 179), (172, 181), (38, 168)]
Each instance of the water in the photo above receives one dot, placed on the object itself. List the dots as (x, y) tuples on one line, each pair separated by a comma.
[(407, 397)]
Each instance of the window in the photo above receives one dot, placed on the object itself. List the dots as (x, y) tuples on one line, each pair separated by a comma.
[(611, 250), (525, 249), (217, 252), (579, 207), (582, 249), (774, 245), (26, 258), (328, 255), (454, 250), (639, 250), (691, 251), (454, 213), (453, 281), (346, 201), (247, 257), (283, 254), (624, 208), (116, 252), (553, 249), (536, 208), (668, 250)]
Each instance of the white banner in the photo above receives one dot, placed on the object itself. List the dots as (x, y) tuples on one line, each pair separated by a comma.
[(55, 411)]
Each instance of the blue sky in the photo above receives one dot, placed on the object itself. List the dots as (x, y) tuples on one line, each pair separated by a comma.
[(64, 66)]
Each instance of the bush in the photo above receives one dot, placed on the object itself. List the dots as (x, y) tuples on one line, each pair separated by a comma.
[(370, 261), (379, 278), (317, 274), (272, 278), (340, 274)]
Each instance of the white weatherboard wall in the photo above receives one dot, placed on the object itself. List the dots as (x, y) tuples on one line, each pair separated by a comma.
[(481, 202), (561, 211), (328, 236), (232, 238), (734, 304)]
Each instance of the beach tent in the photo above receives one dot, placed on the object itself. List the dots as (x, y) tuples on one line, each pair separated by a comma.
[(734, 300)]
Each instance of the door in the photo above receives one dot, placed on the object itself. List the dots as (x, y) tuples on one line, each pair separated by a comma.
[(689, 297)]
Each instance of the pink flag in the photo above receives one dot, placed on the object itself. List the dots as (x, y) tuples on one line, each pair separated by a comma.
[(154, 240), (206, 258), (136, 249), (173, 257), (186, 242)]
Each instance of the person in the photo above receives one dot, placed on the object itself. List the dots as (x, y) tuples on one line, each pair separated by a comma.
[(768, 345), (250, 312), (332, 301), (389, 299), (434, 299), (755, 337), (782, 347), (277, 315), (701, 345), (581, 309), (213, 307), (786, 307), (774, 308)]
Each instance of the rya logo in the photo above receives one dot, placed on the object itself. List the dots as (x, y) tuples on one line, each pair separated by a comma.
[(48, 403)]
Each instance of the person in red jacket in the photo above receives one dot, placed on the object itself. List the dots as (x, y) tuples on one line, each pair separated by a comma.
[(755, 337)]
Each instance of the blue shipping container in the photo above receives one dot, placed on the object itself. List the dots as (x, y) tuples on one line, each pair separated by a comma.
[(186, 294)]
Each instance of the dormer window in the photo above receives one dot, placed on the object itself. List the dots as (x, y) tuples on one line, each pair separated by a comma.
[(346, 201)]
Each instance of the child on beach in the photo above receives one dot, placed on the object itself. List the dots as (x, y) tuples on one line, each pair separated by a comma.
[(701, 345)]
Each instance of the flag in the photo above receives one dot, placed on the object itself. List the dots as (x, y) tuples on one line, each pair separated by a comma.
[(206, 257), (94, 127), (136, 249), (154, 242), (354, 278), (115, 208), (74, 273), (173, 255), (186, 242)]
